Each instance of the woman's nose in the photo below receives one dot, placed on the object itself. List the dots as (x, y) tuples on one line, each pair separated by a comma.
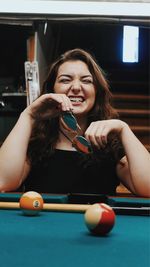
[(76, 85)]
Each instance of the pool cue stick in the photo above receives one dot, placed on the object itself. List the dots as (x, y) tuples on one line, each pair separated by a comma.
[(9, 205), (66, 207), (50, 206)]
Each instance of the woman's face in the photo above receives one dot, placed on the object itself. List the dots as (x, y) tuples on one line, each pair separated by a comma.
[(75, 80)]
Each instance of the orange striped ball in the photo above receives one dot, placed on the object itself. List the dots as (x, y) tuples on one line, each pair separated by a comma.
[(31, 203)]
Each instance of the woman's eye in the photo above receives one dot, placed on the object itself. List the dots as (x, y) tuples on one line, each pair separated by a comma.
[(64, 81), (87, 81)]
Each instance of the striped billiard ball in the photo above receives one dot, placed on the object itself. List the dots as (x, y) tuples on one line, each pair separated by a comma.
[(31, 203), (99, 219)]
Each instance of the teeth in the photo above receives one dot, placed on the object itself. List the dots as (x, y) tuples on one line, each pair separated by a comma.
[(76, 99)]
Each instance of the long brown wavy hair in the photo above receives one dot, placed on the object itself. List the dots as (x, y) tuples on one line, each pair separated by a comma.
[(46, 125)]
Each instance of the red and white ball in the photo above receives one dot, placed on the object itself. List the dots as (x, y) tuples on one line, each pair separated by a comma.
[(99, 218), (31, 203)]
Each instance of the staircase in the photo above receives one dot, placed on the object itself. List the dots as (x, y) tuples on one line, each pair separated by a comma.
[(134, 109), (130, 89), (130, 84)]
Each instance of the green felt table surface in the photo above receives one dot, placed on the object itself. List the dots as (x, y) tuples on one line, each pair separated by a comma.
[(62, 240)]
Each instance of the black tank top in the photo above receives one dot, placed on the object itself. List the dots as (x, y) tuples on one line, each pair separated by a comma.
[(66, 172)]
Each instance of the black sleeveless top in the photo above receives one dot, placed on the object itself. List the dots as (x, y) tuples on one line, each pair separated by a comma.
[(66, 172)]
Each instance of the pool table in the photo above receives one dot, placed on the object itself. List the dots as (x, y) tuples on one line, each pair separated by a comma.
[(61, 239)]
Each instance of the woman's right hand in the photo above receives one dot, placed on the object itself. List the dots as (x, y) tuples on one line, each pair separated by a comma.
[(48, 105)]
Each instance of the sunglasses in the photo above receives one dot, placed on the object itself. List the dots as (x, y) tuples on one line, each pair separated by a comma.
[(70, 124)]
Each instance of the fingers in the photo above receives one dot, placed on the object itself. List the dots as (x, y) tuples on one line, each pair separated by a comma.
[(48, 106), (65, 103), (97, 133), (62, 101)]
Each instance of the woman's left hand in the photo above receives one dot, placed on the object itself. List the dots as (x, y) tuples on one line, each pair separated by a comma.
[(97, 132)]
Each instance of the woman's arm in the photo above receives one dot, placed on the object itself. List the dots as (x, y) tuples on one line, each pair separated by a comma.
[(13, 153), (14, 166), (134, 169)]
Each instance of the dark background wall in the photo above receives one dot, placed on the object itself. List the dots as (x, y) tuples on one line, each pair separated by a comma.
[(103, 40)]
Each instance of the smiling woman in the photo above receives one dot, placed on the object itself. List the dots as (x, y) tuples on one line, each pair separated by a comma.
[(70, 139), (75, 80)]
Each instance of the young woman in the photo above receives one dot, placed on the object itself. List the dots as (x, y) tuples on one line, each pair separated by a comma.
[(44, 152)]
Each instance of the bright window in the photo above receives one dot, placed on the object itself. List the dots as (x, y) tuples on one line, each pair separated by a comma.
[(130, 44)]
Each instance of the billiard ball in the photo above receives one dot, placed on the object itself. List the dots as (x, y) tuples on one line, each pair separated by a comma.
[(99, 219), (31, 203)]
